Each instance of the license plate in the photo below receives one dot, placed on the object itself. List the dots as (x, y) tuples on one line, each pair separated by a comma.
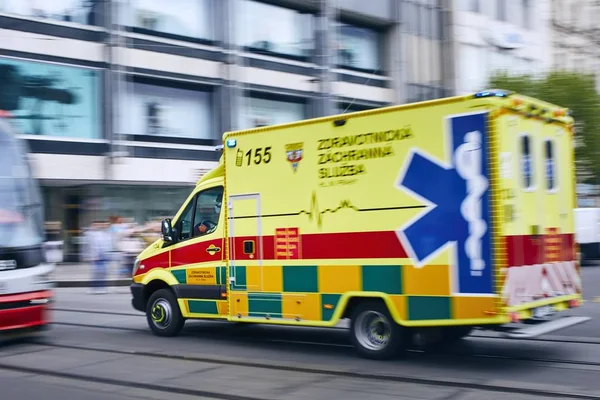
[(542, 312)]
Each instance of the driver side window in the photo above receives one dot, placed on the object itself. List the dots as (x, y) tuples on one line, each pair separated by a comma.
[(208, 211), (201, 215), (185, 222)]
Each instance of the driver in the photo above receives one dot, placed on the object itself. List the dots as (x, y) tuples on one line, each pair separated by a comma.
[(209, 224)]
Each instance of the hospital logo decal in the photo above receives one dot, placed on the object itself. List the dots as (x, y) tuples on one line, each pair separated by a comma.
[(294, 153), (455, 191)]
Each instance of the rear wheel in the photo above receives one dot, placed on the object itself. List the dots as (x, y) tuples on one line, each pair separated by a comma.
[(163, 314), (374, 332)]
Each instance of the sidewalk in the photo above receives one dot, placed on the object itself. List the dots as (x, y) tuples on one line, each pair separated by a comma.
[(80, 275)]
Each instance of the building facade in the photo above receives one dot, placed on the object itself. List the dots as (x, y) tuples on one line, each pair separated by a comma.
[(122, 101), (576, 36), (493, 36)]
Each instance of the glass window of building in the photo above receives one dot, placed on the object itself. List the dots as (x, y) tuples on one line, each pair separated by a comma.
[(263, 112), (501, 10), (514, 12), (80, 11), (358, 48), (352, 107), (526, 7), (50, 99), (186, 18), (271, 29), (141, 203), (167, 111)]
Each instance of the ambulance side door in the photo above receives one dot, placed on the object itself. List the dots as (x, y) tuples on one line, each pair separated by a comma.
[(197, 255)]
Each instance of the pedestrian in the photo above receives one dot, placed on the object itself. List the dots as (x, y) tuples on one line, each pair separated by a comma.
[(131, 246), (117, 231), (98, 243)]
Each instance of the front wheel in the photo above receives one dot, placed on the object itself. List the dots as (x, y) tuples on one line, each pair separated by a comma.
[(374, 332), (163, 314)]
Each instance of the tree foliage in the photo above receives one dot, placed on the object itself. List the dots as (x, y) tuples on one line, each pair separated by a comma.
[(571, 90)]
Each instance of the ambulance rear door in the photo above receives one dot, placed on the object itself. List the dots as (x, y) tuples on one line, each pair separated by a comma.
[(537, 183)]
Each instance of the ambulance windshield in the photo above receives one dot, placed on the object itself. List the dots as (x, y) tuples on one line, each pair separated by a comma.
[(21, 217)]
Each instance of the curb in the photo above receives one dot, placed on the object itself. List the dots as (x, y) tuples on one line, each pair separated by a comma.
[(80, 284)]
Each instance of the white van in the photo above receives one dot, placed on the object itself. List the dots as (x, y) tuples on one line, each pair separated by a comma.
[(587, 232)]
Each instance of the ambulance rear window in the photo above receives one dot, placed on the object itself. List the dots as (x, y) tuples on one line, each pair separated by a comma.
[(527, 162), (550, 164)]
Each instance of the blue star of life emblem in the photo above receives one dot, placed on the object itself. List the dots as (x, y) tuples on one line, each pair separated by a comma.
[(457, 214)]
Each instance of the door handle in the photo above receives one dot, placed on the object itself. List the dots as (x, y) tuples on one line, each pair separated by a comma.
[(212, 249)]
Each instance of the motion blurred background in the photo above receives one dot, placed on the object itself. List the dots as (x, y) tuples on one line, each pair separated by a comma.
[(122, 101)]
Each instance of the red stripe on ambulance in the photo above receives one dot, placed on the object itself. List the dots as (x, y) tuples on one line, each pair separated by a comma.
[(530, 249), (324, 246)]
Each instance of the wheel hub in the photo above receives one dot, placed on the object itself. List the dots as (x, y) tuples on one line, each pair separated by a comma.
[(161, 314), (373, 330)]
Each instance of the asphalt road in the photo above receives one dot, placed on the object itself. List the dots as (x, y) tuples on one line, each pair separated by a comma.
[(100, 348)]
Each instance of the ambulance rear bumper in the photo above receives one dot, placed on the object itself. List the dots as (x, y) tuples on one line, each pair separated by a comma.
[(543, 327)]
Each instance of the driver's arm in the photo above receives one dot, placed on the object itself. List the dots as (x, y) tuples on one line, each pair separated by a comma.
[(201, 229)]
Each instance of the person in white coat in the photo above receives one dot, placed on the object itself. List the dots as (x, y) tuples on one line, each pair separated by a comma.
[(99, 246)]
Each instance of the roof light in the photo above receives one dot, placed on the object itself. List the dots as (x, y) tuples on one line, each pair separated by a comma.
[(231, 143), (493, 93)]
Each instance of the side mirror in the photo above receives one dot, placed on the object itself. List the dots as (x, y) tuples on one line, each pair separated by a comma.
[(167, 230)]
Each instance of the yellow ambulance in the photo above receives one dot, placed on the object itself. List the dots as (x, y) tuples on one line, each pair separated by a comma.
[(423, 220)]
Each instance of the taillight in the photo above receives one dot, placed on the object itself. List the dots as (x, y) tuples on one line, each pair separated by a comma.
[(574, 303), (514, 317)]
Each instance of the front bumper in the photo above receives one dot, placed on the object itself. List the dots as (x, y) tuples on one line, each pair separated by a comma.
[(25, 310), (137, 300)]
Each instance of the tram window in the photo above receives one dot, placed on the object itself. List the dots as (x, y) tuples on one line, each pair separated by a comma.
[(527, 164), (550, 158)]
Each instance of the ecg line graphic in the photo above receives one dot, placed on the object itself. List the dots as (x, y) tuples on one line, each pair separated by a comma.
[(314, 212)]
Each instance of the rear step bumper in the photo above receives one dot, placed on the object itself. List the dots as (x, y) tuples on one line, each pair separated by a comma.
[(541, 328)]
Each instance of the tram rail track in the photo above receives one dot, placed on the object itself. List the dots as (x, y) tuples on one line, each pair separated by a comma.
[(477, 335), (125, 383), (512, 388), (99, 312), (555, 361), (548, 361)]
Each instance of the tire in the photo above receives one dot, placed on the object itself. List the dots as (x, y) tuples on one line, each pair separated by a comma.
[(163, 314), (374, 333)]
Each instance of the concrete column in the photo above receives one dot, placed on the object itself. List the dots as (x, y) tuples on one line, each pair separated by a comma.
[(449, 49), (396, 53), (109, 98), (325, 57), (232, 99), (225, 94)]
